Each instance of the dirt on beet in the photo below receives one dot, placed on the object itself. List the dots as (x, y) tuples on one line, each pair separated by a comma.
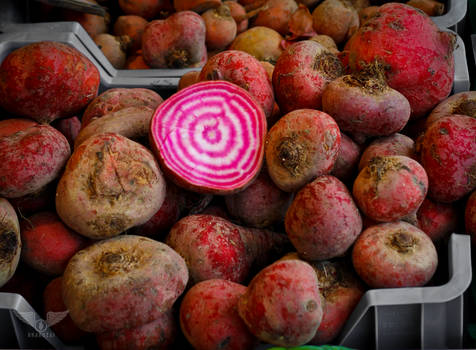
[(8, 245)]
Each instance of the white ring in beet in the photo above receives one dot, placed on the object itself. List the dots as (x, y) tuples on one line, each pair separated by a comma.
[(209, 137)]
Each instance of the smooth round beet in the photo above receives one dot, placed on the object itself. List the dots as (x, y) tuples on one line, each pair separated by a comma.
[(175, 42), (391, 188), (10, 242), (244, 70), (394, 254), (323, 220), (301, 146), (282, 305), (63, 326), (158, 334), (47, 80), (261, 204), (364, 106), (448, 154), (209, 317), (221, 28), (31, 158), (470, 216), (122, 282), (345, 167), (393, 145), (336, 18), (48, 244), (302, 73), (263, 43), (438, 220), (238, 13)]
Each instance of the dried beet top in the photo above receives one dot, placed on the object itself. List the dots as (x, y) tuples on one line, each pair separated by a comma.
[(209, 137)]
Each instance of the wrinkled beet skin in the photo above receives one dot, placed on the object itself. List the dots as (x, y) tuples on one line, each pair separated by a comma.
[(393, 145), (363, 113), (282, 304), (158, 334), (348, 157), (470, 216), (48, 244), (65, 329), (215, 248), (437, 220), (113, 100), (260, 204), (301, 146), (381, 265), (46, 81), (297, 79), (323, 220), (31, 159), (424, 79), (209, 317), (390, 188), (448, 154), (176, 42), (341, 291), (244, 70)]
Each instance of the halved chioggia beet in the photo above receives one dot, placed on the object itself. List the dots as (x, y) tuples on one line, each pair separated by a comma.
[(209, 137)]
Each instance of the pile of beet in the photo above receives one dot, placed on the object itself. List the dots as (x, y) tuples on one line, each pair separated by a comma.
[(259, 202)]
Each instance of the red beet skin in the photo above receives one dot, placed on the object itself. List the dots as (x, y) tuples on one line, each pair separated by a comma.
[(282, 304), (48, 244), (448, 154), (424, 74), (47, 80), (437, 220), (394, 254), (65, 329), (209, 137), (209, 317), (301, 74), (215, 248), (470, 216), (391, 188), (158, 334), (69, 127), (348, 157), (323, 220), (30, 159), (244, 70), (463, 103)]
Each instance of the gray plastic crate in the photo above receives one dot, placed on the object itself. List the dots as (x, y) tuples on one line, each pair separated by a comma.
[(454, 16)]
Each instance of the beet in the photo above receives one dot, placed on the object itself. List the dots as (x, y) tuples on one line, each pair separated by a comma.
[(209, 137), (336, 18), (470, 216), (220, 27), (462, 103), (10, 242), (425, 80), (438, 220), (46, 81), (345, 167)]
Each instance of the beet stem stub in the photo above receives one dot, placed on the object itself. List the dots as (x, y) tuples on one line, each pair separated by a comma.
[(209, 137)]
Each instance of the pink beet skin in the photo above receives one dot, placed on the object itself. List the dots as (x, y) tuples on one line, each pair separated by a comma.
[(301, 75), (462, 103), (69, 127), (341, 290), (30, 159), (448, 154), (365, 106), (437, 220), (282, 304), (348, 157), (470, 216), (244, 70), (215, 248), (393, 145), (175, 42), (394, 254), (391, 188), (65, 329), (425, 73), (158, 334), (323, 220), (209, 317), (48, 244)]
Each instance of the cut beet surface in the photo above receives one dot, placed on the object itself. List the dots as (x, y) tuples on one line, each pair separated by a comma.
[(209, 137)]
